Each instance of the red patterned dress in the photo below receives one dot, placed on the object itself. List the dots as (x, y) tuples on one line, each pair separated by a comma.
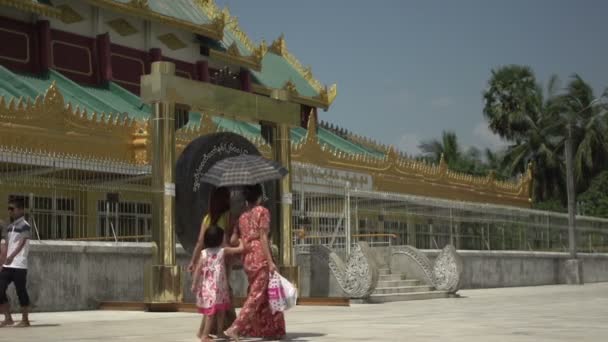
[(255, 318)]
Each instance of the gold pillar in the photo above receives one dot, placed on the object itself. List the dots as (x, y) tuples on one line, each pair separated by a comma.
[(282, 154), (163, 282)]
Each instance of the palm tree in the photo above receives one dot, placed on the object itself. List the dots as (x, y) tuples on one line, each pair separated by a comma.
[(518, 111), (582, 127), (582, 118), (448, 147)]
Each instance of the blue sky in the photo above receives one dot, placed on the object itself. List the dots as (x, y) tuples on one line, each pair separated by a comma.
[(407, 70)]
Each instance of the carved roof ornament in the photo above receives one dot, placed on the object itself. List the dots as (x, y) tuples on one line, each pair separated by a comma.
[(291, 87), (172, 41), (311, 129), (260, 51), (233, 50), (140, 4), (69, 15), (220, 21), (231, 21), (279, 46), (122, 27)]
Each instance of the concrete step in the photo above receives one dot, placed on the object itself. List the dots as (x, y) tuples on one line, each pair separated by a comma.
[(403, 289), (399, 297), (384, 271), (389, 277), (397, 283)]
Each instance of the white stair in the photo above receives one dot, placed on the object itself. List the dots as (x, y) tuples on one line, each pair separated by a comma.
[(395, 287)]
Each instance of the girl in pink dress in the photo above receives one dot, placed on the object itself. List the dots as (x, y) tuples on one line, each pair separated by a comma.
[(210, 281)]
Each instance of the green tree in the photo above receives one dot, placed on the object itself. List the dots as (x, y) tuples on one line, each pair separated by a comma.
[(594, 201), (581, 116), (448, 146), (518, 111)]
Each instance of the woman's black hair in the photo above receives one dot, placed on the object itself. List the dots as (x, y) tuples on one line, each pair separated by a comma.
[(214, 236), (253, 193)]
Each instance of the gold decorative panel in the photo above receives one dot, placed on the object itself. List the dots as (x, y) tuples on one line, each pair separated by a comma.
[(69, 15), (122, 27), (172, 41), (49, 124)]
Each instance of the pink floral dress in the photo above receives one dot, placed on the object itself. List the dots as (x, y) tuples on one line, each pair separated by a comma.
[(213, 295)]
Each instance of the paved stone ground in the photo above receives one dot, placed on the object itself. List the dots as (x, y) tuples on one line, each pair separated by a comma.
[(547, 313)]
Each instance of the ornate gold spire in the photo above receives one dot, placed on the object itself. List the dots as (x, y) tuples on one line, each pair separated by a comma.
[(279, 46)]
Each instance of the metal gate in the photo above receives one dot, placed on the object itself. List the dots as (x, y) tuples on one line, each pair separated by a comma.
[(321, 210)]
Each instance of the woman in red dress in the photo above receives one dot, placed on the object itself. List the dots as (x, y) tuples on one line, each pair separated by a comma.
[(256, 318)]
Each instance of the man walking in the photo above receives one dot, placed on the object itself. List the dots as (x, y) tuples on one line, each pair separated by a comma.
[(2, 242), (14, 269)]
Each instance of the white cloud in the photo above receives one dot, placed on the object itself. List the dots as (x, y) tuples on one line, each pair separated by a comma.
[(487, 137), (408, 143), (442, 102)]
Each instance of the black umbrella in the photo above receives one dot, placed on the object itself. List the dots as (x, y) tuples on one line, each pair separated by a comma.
[(244, 170)]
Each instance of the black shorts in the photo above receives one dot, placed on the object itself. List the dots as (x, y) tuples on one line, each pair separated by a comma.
[(19, 277)]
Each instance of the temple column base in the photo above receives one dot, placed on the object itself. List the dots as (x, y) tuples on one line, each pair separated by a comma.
[(162, 285), (573, 269)]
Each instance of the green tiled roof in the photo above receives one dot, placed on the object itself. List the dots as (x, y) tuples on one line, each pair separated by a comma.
[(186, 10), (113, 99), (276, 71)]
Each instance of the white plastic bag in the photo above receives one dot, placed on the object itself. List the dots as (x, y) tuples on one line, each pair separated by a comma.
[(290, 292), (282, 295)]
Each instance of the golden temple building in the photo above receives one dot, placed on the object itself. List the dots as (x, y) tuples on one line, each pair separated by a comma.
[(73, 129)]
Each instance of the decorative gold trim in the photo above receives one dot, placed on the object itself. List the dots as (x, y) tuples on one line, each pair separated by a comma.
[(172, 41), (278, 46), (69, 15), (27, 45), (139, 4), (122, 27), (133, 8), (34, 7), (396, 173), (90, 73), (291, 88), (52, 125), (318, 101)]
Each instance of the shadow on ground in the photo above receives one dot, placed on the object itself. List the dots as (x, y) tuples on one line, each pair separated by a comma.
[(301, 337)]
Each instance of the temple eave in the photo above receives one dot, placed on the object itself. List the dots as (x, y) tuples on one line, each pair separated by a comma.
[(33, 7)]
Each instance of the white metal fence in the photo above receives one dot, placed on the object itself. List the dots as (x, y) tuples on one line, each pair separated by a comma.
[(337, 215)]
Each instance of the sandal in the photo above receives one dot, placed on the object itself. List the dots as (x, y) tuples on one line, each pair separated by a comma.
[(232, 334), (23, 324), (6, 323)]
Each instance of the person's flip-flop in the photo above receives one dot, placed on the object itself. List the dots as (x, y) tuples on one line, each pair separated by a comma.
[(6, 324), (23, 324)]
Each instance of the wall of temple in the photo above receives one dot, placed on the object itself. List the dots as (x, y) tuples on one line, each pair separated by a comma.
[(78, 275)]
